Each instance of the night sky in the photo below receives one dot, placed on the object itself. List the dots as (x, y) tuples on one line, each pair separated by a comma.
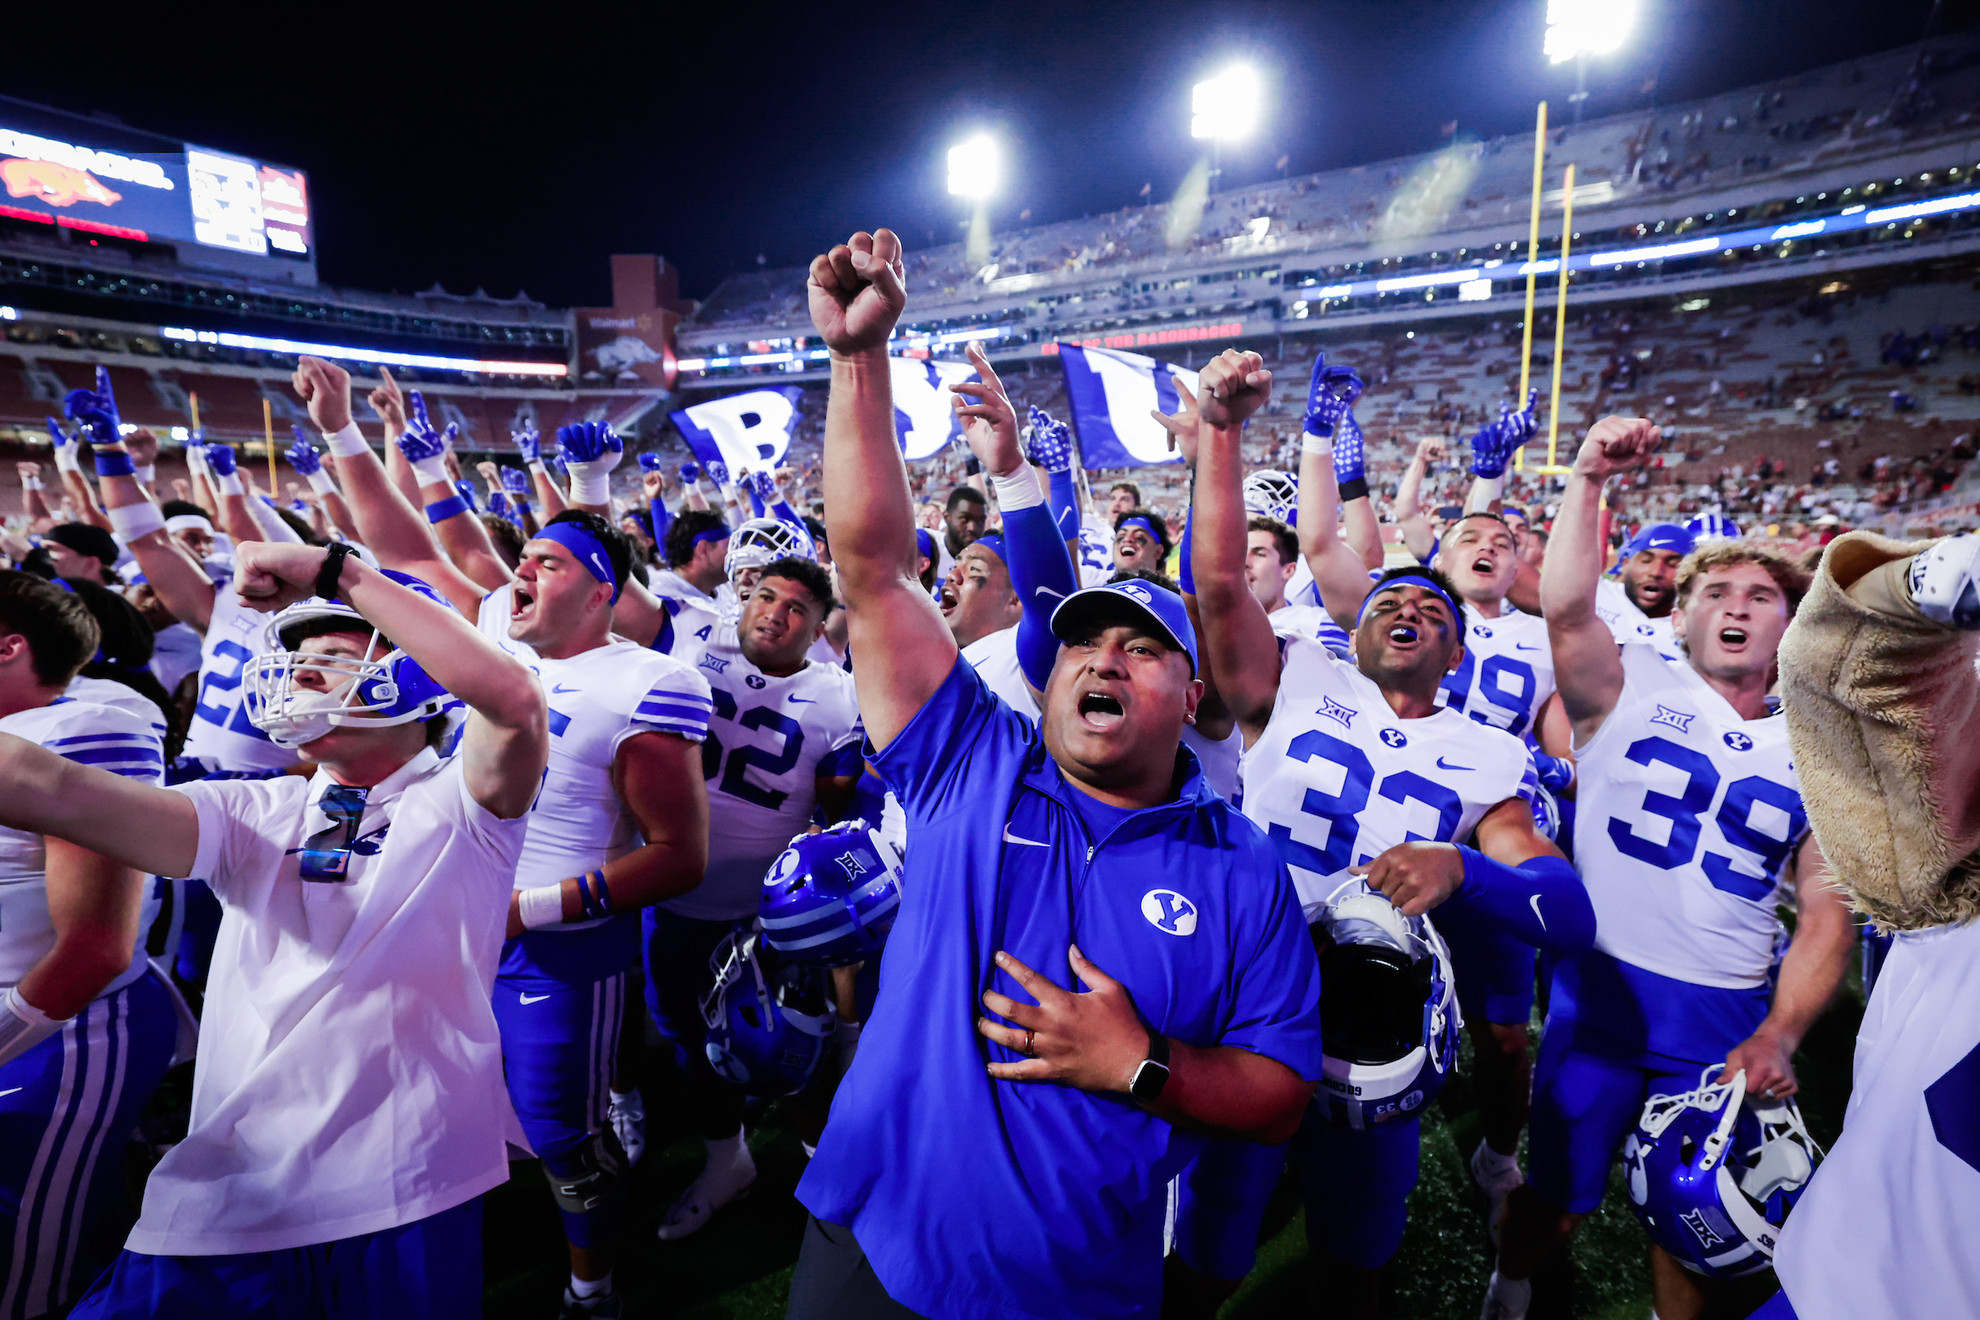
[(516, 156)]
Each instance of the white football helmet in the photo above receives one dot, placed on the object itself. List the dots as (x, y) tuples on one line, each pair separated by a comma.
[(761, 542), (1274, 494)]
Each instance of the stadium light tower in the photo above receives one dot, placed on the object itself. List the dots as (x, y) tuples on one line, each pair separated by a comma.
[(1226, 108), (1577, 29), (975, 168)]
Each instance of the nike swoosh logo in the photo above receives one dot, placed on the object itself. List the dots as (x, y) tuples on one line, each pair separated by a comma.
[(11, 1090), (531, 999), (1534, 899), (1442, 764), (558, 688), (1029, 843), (1522, 646), (1047, 591), (805, 701)]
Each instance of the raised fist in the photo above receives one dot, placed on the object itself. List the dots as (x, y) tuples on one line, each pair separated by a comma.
[(515, 482), (1615, 444), (220, 458), (302, 454), (690, 473), (1049, 441), (649, 462), (96, 409), (1330, 396), (142, 446), (858, 291), (718, 472), (590, 442), (1232, 386), (326, 388)]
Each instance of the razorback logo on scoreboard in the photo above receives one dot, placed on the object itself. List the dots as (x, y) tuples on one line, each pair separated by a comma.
[(54, 184)]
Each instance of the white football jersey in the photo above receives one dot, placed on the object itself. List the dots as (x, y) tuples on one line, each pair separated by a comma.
[(220, 731), (1336, 778), (1628, 623), (105, 737), (1886, 1228), (1507, 674), (175, 654), (1302, 590), (1685, 816), (120, 696), (1312, 622), (768, 741), (994, 657)]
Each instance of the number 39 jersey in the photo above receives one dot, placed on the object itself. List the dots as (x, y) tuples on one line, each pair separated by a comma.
[(1685, 817), (221, 733), (768, 741), (1337, 779), (1507, 673)]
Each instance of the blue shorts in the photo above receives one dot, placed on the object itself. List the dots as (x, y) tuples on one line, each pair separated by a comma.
[(429, 1268), (560, 1044), (1494, 972), (67, 1107), (1356, 1187), (677, 976), (1616, 1035)]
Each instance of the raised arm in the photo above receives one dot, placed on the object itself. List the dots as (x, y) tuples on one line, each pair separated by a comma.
[(448, 513), (1415, 527), (308, 464), (1238, 644), (1339, 572), (33, 503), (902, 648), (1360, 528), (1588, 670), (507, 737)]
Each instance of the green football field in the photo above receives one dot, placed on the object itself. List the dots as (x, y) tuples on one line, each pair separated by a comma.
[(740, 1265)]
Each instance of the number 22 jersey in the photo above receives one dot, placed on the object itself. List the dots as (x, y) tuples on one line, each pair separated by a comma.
[(1336, 778), (1687, 814)]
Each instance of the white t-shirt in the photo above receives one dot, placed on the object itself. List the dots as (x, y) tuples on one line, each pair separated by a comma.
[(108, 738), (1886, 1227), (350, 1071), (1685, 816), (994, 657)]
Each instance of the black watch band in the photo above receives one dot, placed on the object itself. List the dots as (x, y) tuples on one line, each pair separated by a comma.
[(1153, 1074), (332, 570)]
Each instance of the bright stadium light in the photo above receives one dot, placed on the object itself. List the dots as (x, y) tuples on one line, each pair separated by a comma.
[(975, 168), (1577, 28), (1227, 107)]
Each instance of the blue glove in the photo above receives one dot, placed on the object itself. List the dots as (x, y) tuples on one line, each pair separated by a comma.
[(221, 459), (649, 462), (302, 455), (1330, 396), (300, 508), (68, 448), (424, 447), (1050, 443), (528, 443), (690, 473), (591, 450), (96, 409), (498, 504), (1491, 447), (1556, 772), (515, 482), (718, 471), (761, 486), (1350, 454), (1523, 421), (465, 489)]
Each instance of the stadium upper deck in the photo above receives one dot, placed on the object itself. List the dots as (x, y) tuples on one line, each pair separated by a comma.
[(1884, 131)]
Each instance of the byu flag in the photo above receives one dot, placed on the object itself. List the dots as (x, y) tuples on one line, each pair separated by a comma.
[(743, 431), (1111, 393), (924, 409)]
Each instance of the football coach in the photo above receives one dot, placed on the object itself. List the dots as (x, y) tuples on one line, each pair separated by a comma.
[(1096, 959)]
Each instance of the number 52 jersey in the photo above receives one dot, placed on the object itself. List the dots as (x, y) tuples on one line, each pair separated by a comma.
[(1685, 816), (1337, 778)]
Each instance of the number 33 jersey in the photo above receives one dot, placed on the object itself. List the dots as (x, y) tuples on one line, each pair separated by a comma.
[(1337, 778), (1685, 816), (769, 740)]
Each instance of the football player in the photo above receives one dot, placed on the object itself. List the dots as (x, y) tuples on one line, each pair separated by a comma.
[(1636, 603), (1354, 767), (348, 1109), (85, 1033), (1688, 815)]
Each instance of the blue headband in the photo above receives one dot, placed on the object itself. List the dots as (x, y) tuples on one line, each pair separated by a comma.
[(924, 542), (1411, 580), (994, 543), (1142, 523), (59, 583), (712, 534), (586, 548)]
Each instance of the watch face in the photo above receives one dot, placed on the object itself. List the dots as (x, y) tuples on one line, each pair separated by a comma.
[(1149, 1079)]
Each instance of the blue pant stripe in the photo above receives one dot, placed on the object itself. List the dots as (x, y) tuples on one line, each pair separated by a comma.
[(32, 1279), (118, 1032)]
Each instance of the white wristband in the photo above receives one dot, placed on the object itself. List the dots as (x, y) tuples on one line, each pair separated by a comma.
[(22, 1025), (321, 482), (536, 465), (1310, 443), (147, 473), (30, 483), (1020, 490), (196, 460), (230, 484), (347, 443), (130, 521), (590, 487), (66, 459), (431, 471), (541, 906), (1484, 490)]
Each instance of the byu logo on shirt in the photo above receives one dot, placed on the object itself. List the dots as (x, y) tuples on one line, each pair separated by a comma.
[(1394, 738), (1169, 911), (1739, 742)]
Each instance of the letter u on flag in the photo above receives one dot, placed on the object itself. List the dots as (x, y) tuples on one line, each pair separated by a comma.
[(749, 430), (924, 411), (1111, 393)]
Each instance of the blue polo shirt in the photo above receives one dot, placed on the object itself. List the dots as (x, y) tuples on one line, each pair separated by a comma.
[(974, 1197)]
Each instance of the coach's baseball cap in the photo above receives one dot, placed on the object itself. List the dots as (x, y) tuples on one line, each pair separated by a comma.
[(1660, 536), (1157, 605)]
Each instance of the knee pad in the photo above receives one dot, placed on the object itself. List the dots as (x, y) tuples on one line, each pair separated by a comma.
[(586, 1178)]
